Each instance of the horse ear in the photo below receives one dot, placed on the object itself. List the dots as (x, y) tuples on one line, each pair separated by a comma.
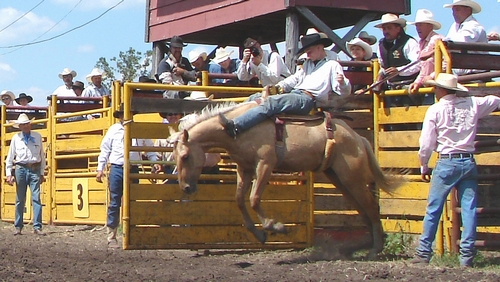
[(171, 131), (185, 136)]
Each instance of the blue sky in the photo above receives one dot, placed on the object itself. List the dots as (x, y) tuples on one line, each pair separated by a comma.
[(34, 69)]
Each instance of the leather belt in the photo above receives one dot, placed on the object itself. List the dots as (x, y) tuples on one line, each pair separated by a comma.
[(308, 94), (456, 156), (29, 165)]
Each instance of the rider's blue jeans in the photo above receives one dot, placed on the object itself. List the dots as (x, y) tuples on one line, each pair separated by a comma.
[(295, 103), (462, 174)]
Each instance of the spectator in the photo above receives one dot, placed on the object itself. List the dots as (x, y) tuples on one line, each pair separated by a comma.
[(175, 69), (67, 76), (268, 67), (465, 28), (360, 51), (370, 39), (493, 36), (425, 25), (228, 65), (200, 63), (27, 157), (24, 100), (449, 128), (112, 150), (78, 88), (312, 84), (146, 79), (95, 88), (8, 98)]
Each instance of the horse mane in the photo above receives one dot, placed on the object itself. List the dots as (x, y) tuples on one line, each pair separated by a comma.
[(209, 111)]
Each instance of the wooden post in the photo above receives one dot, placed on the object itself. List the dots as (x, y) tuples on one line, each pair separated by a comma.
[(158, 53), (291, 39)]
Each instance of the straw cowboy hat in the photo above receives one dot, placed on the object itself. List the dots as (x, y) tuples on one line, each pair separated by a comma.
[(362, 44), (22, 119), (391, 18), (448, 81), (198, 96), (426, 16), (313, 39), (476, 8), (176, 41), (194, 55), (221, 55), (8, 93), (23, 95), (67, 71), (370, 39), (95, 72)]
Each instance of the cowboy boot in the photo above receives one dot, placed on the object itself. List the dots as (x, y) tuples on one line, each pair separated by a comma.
[(228, 125), (111, 234)]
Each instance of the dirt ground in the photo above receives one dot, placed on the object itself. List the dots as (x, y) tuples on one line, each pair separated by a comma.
[(75, 253)]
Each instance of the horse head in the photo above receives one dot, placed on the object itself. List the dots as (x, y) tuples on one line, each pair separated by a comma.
[(189, 157)]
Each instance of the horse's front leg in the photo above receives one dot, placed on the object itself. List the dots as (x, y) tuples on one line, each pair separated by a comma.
[(262, 175), (244, 179)]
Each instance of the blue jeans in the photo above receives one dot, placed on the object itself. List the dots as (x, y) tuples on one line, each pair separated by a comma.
[(295, 103), (116, 193), (462, 174), (28, 176)]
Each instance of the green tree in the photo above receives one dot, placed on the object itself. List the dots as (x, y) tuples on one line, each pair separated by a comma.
[(128, 66)]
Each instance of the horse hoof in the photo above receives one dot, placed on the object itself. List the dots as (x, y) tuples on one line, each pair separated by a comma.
[(280, 228), (262, 237), (372, 255)]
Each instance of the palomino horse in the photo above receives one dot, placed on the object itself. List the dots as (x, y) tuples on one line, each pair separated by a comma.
[(347, 161)]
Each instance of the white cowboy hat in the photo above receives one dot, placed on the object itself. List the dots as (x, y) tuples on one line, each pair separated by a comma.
[(476, 8), (448, 81), (22, 119), (95, 72), (358, 42), (370, 39), (199, 96), (194, 55), (67, 71), (8, 93), (221, 55), (391, 18), (426, 16)]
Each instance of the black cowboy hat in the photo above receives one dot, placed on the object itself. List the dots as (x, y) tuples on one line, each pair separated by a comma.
[(314, 39), (176, 41), (119, 113), (78, 84), (23, 95)]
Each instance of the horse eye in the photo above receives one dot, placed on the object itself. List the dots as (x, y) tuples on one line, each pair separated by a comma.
[(185, 157)]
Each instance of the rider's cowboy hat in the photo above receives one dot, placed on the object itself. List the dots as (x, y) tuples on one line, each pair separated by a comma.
[(362, 44), (194, 55), (476, 8), (67, 71), (370, 39), (8, 93), (22, 119), (447, 81), (95, 72), (313, 39), (23, 95), (221, 54), (426, 16), (391, 18), (176, 41)]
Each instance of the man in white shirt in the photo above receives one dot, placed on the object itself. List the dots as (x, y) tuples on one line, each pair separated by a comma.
[(301, 91), (465, 28), (67, 76), (449, 128), (268, 67), (112, 150), (96, 88), (27, 157)]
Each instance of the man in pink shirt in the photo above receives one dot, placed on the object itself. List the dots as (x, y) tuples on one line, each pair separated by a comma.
[(449, 128), (425, 25)]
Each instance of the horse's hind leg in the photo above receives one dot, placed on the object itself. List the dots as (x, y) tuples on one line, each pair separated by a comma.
[(244, 179), (263, 172), (358, 193)]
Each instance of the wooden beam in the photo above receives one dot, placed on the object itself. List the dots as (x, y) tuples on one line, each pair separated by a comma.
[(158, 52), (291, 39), (355, 30), (321, 26)]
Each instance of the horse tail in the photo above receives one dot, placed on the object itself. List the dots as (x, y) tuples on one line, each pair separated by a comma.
[(384, 182)]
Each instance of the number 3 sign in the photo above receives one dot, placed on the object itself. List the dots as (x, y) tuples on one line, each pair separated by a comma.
[(80, 197)]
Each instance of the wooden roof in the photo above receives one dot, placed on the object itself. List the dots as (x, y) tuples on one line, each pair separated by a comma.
[(229, 22)]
